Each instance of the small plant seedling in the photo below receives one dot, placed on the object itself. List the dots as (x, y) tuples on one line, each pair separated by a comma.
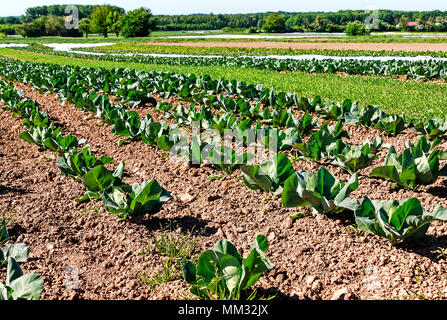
[(297, 215), (354, 230), (175, 247), (50, 156), (212, 178), (418, 296), (169, 272), (442, 253), (4, 222)]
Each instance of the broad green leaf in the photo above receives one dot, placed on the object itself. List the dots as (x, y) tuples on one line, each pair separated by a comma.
[(98, 179)]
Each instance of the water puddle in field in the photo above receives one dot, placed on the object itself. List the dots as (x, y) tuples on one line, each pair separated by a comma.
[(73, 48), (68, 47)]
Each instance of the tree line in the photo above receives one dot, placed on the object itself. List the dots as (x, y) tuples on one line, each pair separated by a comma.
[(388, 20), (104, 19)]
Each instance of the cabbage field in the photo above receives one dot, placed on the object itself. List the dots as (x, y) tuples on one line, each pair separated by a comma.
[(122, 183)]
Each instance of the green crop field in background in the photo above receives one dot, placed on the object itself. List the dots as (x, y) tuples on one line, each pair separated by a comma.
[(417, 99)]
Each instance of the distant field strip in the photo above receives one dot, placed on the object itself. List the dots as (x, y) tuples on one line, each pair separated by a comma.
[(410, 67), (417, 99)]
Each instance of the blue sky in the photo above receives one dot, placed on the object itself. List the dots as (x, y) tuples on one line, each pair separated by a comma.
[(18, 7)]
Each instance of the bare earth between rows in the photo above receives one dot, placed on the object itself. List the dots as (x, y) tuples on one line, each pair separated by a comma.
[(316, 257), (408, 47)]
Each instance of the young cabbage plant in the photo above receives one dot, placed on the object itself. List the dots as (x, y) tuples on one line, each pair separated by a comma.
[(153, 130), (77, 163), (336, 130), (130, 126), (322, 191), (368, 115), (223, 122), (19, 286), (18, 251), (318, 145), (99, 180), (164, 107), (355, 157), (411, 168), (38, 135), (279, 140), (175, 141), (62, 144), (186, 116), (306, 124), (226, 159), (423, 144), (282, 118), (32, 117), (396, 220), (137, 97), (269, 176), (435, 128), (249, 110), (145, 198), (334, 110), (307, 105), (221, 273), (391, 124)]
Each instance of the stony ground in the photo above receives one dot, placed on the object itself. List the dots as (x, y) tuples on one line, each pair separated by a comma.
[(316, 257)]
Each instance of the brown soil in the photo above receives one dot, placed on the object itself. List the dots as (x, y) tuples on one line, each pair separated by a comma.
[(316, 257), (409, 47)]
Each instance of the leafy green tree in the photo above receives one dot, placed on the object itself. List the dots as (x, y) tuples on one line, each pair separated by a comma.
[(113, 19), (33, 29), (84, 26), (33, 13), (8, 28), (137, 23), (98, 20), (356, 28), (274, 23), (320, 24), (54, 26)]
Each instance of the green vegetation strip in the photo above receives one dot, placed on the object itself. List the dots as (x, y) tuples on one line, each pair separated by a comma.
[(417, 99), (235, 51), (419, 70)]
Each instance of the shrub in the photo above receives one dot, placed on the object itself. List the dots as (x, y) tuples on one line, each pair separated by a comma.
[(84, 26), (356, 28), (274, 23), (252, 30), (33, 29)]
